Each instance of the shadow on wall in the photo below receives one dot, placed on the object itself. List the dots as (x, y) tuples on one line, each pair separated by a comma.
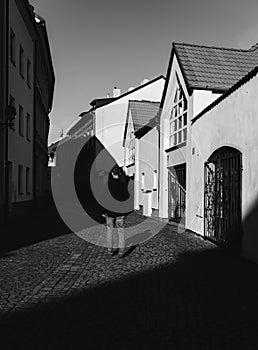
[(250, 235), (90, 177)]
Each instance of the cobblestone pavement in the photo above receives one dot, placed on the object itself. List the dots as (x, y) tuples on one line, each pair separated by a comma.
[(174, 291)]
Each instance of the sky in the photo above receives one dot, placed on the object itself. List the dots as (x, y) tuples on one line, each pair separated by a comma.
[(97, 45)]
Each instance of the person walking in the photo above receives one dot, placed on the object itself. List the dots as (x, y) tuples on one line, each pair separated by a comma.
[(117, 212)]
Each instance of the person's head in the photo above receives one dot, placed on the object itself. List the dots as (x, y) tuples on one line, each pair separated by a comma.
[(116, 172)]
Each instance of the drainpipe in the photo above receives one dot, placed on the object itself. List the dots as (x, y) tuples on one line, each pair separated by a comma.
[(158, 127), (6, 175)]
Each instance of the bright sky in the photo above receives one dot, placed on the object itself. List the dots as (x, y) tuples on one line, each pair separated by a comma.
[(99, 44)]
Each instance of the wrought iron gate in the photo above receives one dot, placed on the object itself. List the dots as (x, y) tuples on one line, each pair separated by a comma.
[(177, 193), (222, 197)]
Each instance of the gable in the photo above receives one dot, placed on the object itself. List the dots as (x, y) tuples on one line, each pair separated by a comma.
[(213, 68)]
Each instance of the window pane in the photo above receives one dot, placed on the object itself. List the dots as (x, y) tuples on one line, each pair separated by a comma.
[(21, 62), (180, 137), (28, 127), (175, 139), (29, 73), (185, 119), (175, 125), (171, 128), (180, 122), (20, 179), (185, 104), (12, 46), (21, 121), (185, 134), (27, 180)]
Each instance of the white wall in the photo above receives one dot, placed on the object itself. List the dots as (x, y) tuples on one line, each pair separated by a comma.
[(201, 99), (231, 123), (196, 103), (148, 162), (168, 159), (110, 119)]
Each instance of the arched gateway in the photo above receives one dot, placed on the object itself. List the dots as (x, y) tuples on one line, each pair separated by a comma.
[(222, 197)]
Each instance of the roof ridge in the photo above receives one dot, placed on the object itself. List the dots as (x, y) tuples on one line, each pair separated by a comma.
[(211, 47), (148, 101)]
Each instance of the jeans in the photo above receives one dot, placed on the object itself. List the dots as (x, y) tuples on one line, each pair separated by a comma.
[(117, 222)]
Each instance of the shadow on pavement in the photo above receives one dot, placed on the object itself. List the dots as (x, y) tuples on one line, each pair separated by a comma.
[(42, 224), (206, 300)]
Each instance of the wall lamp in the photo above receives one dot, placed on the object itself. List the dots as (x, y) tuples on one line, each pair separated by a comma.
[(10, 113)]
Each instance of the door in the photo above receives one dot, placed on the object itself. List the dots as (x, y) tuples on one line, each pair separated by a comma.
[(222, 197), (177, 193)]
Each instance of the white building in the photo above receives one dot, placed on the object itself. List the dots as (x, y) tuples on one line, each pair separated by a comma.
[(196, 76), (223, 166), (141, 153)]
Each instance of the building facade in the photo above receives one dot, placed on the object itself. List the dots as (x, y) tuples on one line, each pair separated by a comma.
[(141, 154), (223, 162), (19, 39), (196, 76), (44, 88)]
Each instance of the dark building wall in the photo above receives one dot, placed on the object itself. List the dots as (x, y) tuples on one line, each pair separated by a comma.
[(44, 87), (3, 68)]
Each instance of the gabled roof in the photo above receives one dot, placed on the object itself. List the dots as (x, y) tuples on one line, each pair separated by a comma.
[(209, 67), (85, 117), (144, 116), (136, 89), (142, 112), (214, 68)]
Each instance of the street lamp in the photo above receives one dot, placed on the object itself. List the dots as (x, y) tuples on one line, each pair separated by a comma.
[(10, 113)]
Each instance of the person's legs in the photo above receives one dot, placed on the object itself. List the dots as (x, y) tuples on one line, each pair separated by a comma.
[(110, 227), (121, 233)]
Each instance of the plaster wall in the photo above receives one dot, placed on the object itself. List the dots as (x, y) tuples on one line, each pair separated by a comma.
[(169, 158), (110, 119), (148, 163), (20, 149), (201, 99), (233, 122)]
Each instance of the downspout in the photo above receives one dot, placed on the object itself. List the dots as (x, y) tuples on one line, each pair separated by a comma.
[(158, 127), (6, 175), (34, 172)]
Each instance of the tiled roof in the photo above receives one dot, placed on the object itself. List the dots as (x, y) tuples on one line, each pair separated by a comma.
[(222, 97), (143, 112), (212, 67), (85, 117)]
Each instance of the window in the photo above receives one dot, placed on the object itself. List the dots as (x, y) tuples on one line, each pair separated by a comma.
[(27, 180), (155, 180), (28, 73), (178, 118), (28, 121), (12, 103), (21, 121), (20, 179), (131, 148), (12, 47), (143, 182), (21, 62)]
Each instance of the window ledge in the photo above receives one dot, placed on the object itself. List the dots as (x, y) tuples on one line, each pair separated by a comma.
[(173, 148)]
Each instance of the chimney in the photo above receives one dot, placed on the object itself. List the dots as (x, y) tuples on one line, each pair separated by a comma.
[(144, 81), (116, 92)]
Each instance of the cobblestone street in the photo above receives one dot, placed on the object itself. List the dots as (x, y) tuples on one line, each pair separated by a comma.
[(174, 291)]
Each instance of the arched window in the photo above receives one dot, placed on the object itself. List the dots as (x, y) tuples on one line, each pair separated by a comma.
[(178, 118)]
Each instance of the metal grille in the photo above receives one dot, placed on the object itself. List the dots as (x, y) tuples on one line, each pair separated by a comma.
[(223, 196), (177, 193)]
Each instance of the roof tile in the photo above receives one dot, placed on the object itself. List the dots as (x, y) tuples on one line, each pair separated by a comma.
[(215, 68)]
